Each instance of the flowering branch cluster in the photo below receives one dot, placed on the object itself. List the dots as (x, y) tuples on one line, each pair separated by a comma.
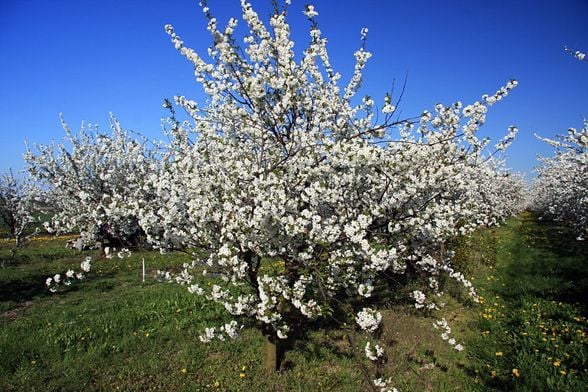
[(69, 276), (560, 191), (368, 319), (576, 53), (446, 334)]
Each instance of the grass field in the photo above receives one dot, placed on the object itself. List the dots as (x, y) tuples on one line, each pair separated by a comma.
[(113, 332), (532, 326)]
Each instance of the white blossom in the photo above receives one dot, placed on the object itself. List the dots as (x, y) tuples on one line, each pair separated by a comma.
[(576, 53), (86, 264), (446, 334), (368, 319), (384, 385), (310, 11), (209, 334), (419, 299), (373, 354)]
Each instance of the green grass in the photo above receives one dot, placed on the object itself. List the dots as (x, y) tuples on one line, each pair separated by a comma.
[(534, 313), (113, 332)]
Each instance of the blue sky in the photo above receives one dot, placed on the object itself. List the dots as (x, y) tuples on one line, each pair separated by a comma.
[(88, 58)]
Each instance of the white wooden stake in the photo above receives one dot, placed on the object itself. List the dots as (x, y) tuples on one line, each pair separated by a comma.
[(143, 270)]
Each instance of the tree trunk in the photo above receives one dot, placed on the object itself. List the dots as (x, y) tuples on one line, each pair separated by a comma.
[(270, 354), (442, 250)]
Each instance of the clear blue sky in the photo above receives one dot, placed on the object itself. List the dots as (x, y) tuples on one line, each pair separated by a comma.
[(88, 58)]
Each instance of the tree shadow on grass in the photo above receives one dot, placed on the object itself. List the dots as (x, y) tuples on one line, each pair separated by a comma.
[(554, 264), (24, 289), (15, 292)]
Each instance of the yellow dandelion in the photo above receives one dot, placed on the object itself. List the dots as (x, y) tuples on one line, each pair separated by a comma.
[(563, 372), (184, 370), (499, 353), (516, 372), (217, 384), (33, 362), (242, 375), (244, 368), (557, 363), (493, 373)]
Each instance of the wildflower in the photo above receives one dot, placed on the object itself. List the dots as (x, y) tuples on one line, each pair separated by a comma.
[(499, 353), (557, 363), (516, 372)]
